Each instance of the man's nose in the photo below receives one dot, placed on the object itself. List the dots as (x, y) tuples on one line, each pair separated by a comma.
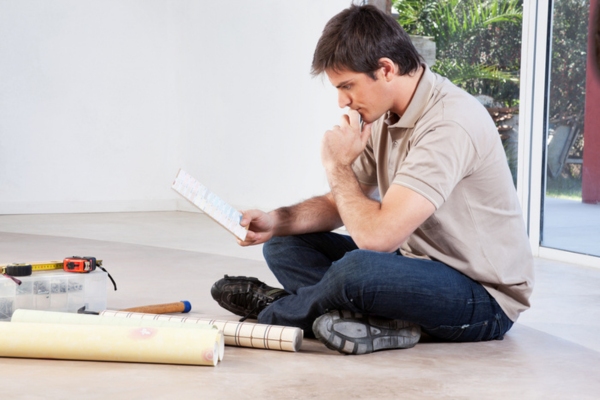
[(343, 99)]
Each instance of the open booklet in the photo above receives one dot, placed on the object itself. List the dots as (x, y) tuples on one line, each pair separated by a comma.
[(199, 195)]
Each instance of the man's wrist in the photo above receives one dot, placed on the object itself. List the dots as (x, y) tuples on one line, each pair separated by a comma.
[(340, 175), (280, 218)]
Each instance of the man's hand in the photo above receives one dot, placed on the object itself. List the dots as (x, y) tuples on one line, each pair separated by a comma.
[(343, 143), (260, 227)]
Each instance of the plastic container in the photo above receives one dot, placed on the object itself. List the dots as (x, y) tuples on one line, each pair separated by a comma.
[(54, 291)]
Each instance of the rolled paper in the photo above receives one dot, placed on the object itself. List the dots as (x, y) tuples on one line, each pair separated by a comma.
[(53, 317), (243, 334), (109, 343)]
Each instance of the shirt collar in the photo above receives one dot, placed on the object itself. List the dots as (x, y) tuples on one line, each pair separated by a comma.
[(417, 104)]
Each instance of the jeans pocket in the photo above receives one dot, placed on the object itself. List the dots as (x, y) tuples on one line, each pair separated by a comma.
[(463, 333)]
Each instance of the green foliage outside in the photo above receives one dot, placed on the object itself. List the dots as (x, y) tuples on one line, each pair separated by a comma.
[(478, 42), (568, 65), (563, 187), (567, 86)]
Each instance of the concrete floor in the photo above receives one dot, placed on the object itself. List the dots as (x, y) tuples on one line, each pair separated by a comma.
[(572, 226), (552, 352)]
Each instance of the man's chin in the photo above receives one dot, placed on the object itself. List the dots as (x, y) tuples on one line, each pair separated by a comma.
[(366, 119)]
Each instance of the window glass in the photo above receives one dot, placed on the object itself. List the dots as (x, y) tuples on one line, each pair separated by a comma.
[(571, 210)]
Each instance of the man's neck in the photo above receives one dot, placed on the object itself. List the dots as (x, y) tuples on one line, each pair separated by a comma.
[(406, 86)]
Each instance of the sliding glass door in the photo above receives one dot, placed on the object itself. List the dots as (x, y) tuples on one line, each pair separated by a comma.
[(570, 204)]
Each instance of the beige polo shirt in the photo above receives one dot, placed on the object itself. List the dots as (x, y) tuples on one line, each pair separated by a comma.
[(447, 148)]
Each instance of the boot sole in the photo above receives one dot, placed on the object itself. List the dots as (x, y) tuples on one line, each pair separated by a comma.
[(353, 333)]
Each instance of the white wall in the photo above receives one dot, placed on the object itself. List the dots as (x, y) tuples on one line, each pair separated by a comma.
[(102, 101)]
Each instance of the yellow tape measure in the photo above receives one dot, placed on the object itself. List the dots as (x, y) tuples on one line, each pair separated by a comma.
[(25, 269)]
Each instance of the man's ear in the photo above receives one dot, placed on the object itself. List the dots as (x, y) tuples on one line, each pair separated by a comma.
[(387, 68)]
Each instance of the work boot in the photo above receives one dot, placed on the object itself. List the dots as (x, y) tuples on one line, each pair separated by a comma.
[(244, 296), (353, 333)]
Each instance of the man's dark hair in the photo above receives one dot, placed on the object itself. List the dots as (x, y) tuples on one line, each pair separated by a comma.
[(356, 38)]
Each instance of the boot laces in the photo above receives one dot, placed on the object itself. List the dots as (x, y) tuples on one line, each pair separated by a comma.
[(252, 301)]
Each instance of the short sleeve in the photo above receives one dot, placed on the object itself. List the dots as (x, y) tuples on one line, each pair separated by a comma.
[(437, 160)]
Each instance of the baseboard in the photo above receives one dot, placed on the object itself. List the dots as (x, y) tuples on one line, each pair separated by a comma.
[(76, 207)]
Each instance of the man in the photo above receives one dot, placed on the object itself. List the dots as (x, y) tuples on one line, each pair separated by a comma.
[(444, 250)]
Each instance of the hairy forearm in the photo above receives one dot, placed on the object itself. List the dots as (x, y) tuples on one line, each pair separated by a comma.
[(359, 213), (318, 214)]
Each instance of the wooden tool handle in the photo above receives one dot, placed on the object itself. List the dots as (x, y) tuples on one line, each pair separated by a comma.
[(179, 307)]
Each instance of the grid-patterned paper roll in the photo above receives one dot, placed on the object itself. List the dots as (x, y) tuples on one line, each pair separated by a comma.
[(243, 334), (53, 317), (109, 343)]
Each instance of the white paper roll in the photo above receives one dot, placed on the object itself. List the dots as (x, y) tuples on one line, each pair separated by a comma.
[(109, 343), (54, 317), (244, 334)]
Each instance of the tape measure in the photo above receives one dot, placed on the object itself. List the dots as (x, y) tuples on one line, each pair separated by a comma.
[(25, 269), (70, 264)]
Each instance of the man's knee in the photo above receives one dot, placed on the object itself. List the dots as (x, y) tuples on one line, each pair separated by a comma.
[(271, 248), (350, 281), (277, 247), (353, 267), (358, 259)]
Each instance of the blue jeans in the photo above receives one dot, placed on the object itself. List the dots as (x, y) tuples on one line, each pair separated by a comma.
[(326, 271)]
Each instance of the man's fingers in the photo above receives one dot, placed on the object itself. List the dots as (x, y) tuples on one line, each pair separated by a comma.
[(354, 118), (365, 133), (251, 238), (248, 216), (344, 120)]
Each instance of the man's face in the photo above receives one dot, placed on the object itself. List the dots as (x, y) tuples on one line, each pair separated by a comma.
[(360, 92)]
